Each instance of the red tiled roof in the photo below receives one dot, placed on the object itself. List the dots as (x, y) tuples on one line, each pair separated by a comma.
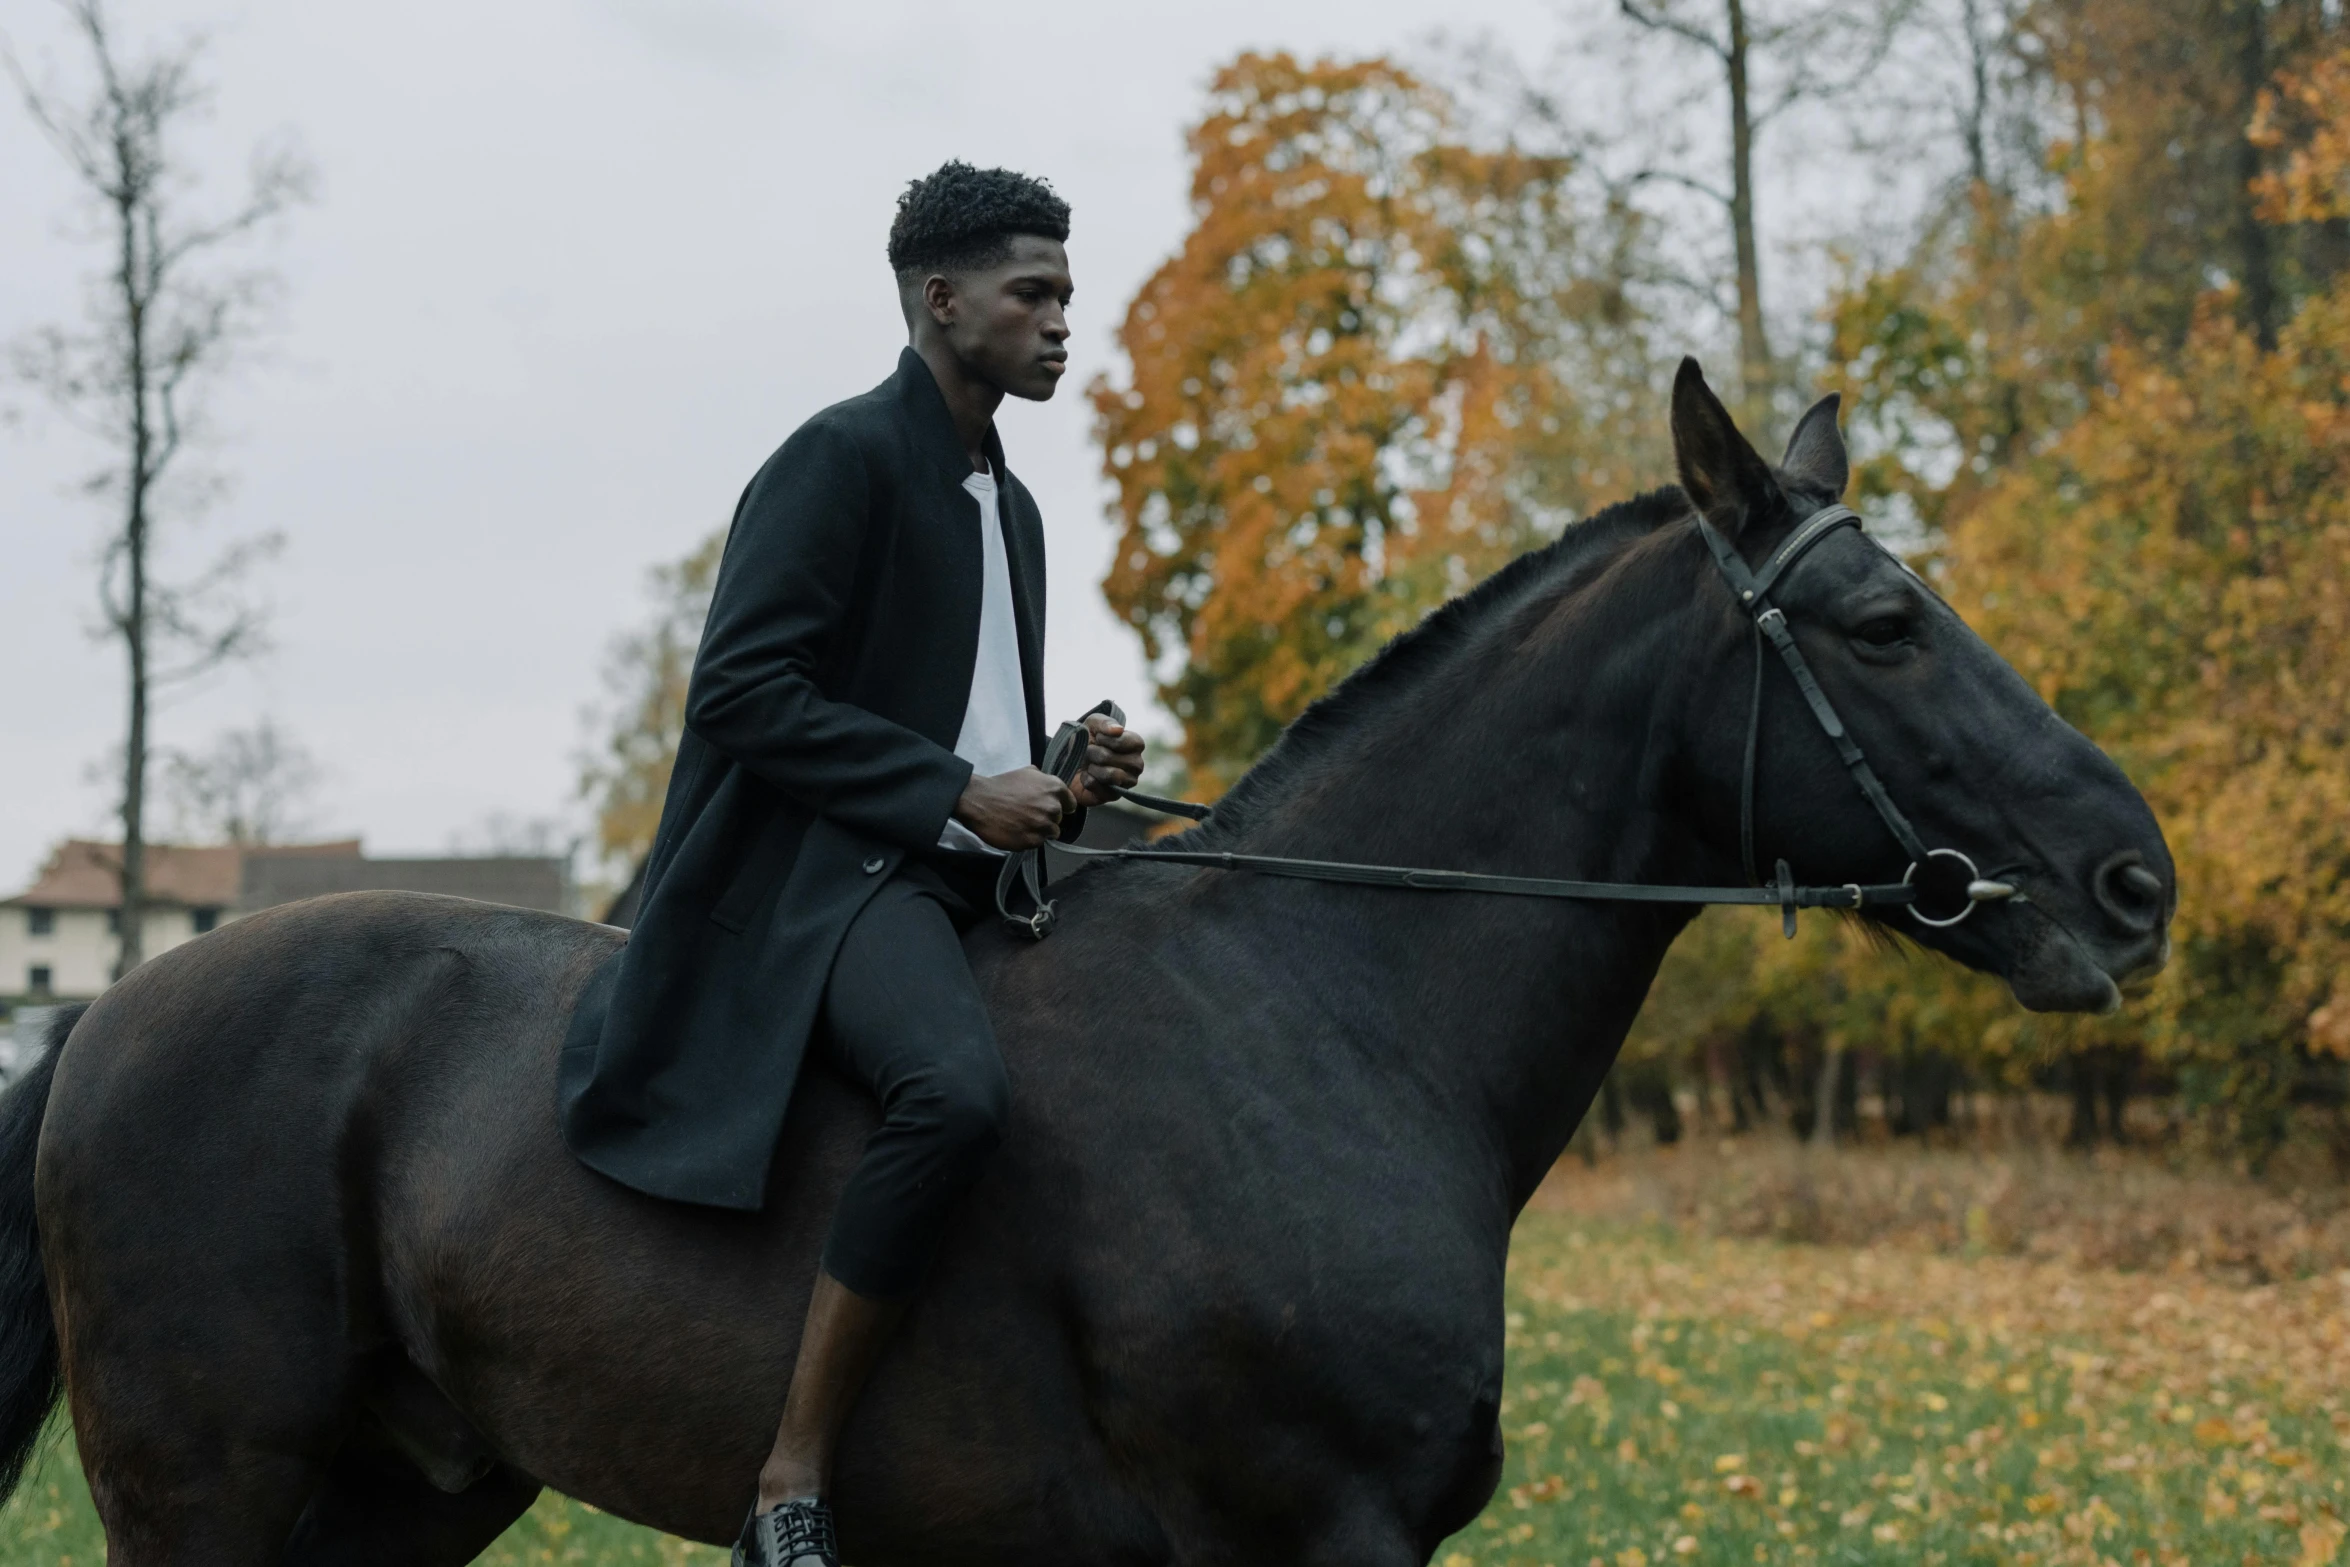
[(519, 881), (83, 874)]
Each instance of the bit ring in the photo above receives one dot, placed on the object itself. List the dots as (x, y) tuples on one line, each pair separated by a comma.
[(1974, 880)]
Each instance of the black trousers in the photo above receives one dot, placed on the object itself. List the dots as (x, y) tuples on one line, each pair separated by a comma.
[(902, 1015)]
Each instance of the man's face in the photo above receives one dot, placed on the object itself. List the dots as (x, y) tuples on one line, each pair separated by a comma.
[(1007, 323)]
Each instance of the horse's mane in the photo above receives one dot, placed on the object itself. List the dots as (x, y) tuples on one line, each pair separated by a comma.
[(1448, 629)]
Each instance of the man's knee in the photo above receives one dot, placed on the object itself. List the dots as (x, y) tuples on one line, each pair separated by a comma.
[(967, 1104)]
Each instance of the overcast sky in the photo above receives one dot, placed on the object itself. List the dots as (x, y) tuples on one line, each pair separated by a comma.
[(578, 267)]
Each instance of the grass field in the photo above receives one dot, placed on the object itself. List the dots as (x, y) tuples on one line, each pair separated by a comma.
[(1722, 1401), (1676, 1399)]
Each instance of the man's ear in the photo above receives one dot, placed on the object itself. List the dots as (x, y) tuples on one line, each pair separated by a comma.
[(1722, 475), (938, 297), (1815, 452)]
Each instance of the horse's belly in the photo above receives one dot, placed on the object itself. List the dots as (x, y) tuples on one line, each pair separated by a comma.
[(635, 1353)]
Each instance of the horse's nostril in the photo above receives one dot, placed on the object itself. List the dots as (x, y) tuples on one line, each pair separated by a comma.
[(2129, 892)]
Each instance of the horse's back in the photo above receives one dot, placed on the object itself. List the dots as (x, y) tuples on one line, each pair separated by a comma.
[(292, 1015)]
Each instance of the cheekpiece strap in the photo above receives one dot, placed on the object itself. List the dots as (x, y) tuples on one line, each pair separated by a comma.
[(1732, 564), (1753, 591), (1773, 624)]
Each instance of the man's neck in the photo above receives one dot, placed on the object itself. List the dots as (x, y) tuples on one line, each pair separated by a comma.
[(971, 402)]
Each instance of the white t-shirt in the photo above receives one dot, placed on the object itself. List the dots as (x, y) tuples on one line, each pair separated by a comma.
[(994, 737)]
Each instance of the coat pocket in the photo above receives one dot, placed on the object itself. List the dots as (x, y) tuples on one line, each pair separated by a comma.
[(758, 880)]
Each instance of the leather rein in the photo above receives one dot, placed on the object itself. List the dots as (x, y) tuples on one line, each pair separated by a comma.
[(1024, 873)]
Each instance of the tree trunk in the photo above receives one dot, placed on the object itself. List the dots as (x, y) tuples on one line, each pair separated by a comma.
[(2252, 238), (133, 282), (1754, 348), (1724, 1054), (1927, 1080), (2081, 1078), (1648, 1092), (133, 950), (1823, 1125), (2120, 1068), (1977, 114)]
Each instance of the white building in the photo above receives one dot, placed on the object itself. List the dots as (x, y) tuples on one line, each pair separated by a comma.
[(60, 937)]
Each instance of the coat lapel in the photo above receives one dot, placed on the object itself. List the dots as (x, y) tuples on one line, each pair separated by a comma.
[(931, 426), (943, 512), (941, 450)]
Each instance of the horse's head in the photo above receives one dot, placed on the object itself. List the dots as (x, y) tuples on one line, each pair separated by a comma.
[(1966, 750)]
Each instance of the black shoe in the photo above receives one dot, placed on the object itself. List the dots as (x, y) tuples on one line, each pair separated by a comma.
[(797, 1533)]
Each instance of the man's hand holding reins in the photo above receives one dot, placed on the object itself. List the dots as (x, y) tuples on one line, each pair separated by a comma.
[(1016, 810), (1024, 808), (1113, 762)]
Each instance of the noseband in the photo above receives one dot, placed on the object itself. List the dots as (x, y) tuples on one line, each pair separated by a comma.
[(1025, 871)]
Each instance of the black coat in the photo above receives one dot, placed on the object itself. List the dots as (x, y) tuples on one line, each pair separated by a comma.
[(818, 752)]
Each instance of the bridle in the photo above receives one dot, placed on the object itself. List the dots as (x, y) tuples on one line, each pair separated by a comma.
[(1752, 589), (1753, 592)]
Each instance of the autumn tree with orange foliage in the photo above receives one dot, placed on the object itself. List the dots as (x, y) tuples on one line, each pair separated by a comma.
[(2118, 200), (625, 777), (2125, 420), (1383, 362), (2109, 388), (2174, 575)]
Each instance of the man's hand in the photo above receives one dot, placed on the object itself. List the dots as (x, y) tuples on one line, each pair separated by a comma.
[(1112, 762), (1015, 810)]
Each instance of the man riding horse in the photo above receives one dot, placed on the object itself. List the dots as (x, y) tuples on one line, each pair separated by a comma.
[(861, 734)]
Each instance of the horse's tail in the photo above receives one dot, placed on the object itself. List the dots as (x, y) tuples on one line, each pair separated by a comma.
[(30, 1377)]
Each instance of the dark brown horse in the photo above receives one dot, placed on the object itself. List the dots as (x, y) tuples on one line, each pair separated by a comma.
[(325, 1286)]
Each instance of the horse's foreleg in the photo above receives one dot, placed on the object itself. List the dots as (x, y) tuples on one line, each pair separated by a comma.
[(1371, 1537), (376, 1510)]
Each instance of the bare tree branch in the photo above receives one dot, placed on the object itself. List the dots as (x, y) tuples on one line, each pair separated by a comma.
[(250, 786), (1685, 181), (160, 331), (1880, 32), (1657, 21)]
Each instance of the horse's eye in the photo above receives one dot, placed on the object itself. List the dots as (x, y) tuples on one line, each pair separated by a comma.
[(1884, 631)]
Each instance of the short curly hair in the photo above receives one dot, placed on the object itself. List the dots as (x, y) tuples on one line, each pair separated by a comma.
[(959, 218)]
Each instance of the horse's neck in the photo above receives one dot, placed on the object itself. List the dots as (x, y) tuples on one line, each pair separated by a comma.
[(1540, 760)]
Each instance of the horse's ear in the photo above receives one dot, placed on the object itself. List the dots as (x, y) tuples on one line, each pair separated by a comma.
[(1724, 478), (1815, 452)]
